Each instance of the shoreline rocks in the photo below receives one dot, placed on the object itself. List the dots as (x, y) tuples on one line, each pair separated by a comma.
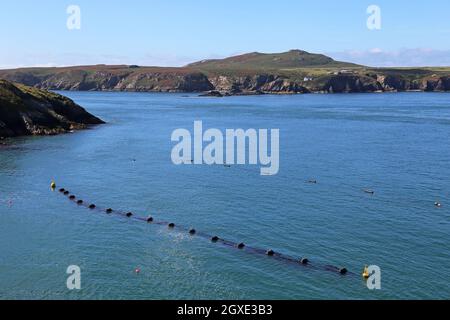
[(30, 111)]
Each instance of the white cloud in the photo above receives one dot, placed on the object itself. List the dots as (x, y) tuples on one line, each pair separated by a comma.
[(376, 57), (375, 50)]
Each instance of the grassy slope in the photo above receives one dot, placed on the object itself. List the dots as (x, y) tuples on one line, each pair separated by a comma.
[(256, 60)]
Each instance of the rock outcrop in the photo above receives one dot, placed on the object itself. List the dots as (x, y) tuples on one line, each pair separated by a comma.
[(29, 111), (351, 84), (259, 83)]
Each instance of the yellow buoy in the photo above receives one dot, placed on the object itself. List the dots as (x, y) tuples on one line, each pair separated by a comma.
[(53, 185), (365, 273)]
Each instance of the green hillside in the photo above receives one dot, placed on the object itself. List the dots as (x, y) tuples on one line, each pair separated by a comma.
[(270, 61)]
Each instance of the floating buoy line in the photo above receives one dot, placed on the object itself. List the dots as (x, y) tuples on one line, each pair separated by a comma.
[(215, 239)]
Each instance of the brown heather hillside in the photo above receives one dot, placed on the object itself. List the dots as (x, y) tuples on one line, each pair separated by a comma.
[(294, 71)]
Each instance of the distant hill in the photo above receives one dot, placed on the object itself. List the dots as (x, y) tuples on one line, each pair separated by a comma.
[(271, 61), (30, 111), (295, 71)]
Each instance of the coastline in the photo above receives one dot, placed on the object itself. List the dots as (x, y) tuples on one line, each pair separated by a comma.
[(251, 94)]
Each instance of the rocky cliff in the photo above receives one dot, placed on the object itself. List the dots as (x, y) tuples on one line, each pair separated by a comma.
[(252, 83), (29, 111), (259, 83), (111, 78), (295, 71), (340, 83)]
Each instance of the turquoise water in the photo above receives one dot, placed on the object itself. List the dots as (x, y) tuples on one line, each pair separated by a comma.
[(395, 144)]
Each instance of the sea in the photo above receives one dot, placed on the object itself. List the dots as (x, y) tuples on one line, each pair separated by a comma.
[(359, 180)]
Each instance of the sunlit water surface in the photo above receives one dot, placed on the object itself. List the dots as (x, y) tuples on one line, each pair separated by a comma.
[(394, 144)]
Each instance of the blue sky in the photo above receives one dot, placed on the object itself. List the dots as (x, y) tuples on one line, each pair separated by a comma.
[(175, 32)]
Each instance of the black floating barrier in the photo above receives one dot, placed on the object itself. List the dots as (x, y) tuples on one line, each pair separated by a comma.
[(304, 262), (343, 271)]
